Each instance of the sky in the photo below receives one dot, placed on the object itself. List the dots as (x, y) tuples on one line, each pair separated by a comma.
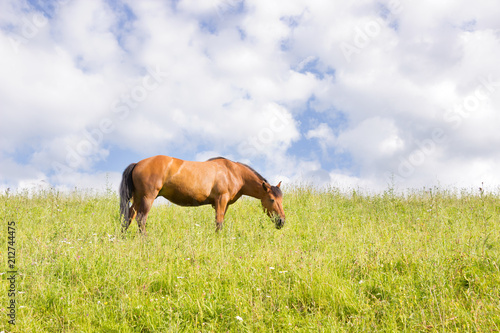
[(361, 94)]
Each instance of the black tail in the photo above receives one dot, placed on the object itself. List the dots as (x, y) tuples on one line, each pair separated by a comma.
[(126, 191)]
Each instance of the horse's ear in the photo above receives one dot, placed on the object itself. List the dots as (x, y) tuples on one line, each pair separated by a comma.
[(266, 186), (279, 184)]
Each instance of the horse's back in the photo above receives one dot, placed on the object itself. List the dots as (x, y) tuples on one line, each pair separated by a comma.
[(182, 182)]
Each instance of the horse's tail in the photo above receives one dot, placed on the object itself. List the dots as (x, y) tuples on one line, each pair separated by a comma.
[(126, 191)]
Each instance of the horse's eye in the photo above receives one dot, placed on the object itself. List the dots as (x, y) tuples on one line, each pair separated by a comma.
[(272, 200)]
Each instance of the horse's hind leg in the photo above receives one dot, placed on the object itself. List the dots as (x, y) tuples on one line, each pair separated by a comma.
[(142, 213), (132, 214)]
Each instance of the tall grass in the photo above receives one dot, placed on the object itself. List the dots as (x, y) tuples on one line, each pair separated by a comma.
[(423, 261)]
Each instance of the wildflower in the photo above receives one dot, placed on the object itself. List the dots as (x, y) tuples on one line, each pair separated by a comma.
[(239, 318), (271, 267)]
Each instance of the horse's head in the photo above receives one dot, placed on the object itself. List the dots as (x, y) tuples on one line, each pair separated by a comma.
[(272, 203)]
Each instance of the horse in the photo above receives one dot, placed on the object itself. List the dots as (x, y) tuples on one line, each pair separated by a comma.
[(218, 182)]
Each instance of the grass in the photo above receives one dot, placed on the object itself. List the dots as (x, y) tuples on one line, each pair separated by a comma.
[(423, 261)]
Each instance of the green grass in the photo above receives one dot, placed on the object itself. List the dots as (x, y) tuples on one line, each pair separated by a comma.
[(423, 261)]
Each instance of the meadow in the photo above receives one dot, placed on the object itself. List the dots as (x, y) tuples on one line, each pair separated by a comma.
[(426, 260)]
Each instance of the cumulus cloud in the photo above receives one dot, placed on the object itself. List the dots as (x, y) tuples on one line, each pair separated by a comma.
[(324, 134), (355, 94)]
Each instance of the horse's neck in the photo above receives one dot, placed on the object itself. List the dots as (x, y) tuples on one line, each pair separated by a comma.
[(252, 186)]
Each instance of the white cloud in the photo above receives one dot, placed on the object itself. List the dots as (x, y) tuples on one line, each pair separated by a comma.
[(99, 182), (254, 81), (324, 134), (373, 139)]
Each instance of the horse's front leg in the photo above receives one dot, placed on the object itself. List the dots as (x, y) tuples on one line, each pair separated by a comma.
[(220, 206)]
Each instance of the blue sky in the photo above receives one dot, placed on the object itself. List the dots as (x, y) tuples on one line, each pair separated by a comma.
[(350, 94)]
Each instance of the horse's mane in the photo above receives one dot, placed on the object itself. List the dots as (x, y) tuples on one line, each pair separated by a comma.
[(276, 190), (255, 172), (247, 166)]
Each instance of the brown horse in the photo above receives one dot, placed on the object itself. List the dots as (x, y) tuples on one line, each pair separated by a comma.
[(218, 182)]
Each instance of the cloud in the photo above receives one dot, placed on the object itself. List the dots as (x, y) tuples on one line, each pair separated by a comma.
[(371, 140), (324, 134), (334, 92)]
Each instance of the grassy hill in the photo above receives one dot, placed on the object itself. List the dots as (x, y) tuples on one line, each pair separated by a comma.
[(424, 261)]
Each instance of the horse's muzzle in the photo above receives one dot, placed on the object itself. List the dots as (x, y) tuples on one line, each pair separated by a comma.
[(279, 222)]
